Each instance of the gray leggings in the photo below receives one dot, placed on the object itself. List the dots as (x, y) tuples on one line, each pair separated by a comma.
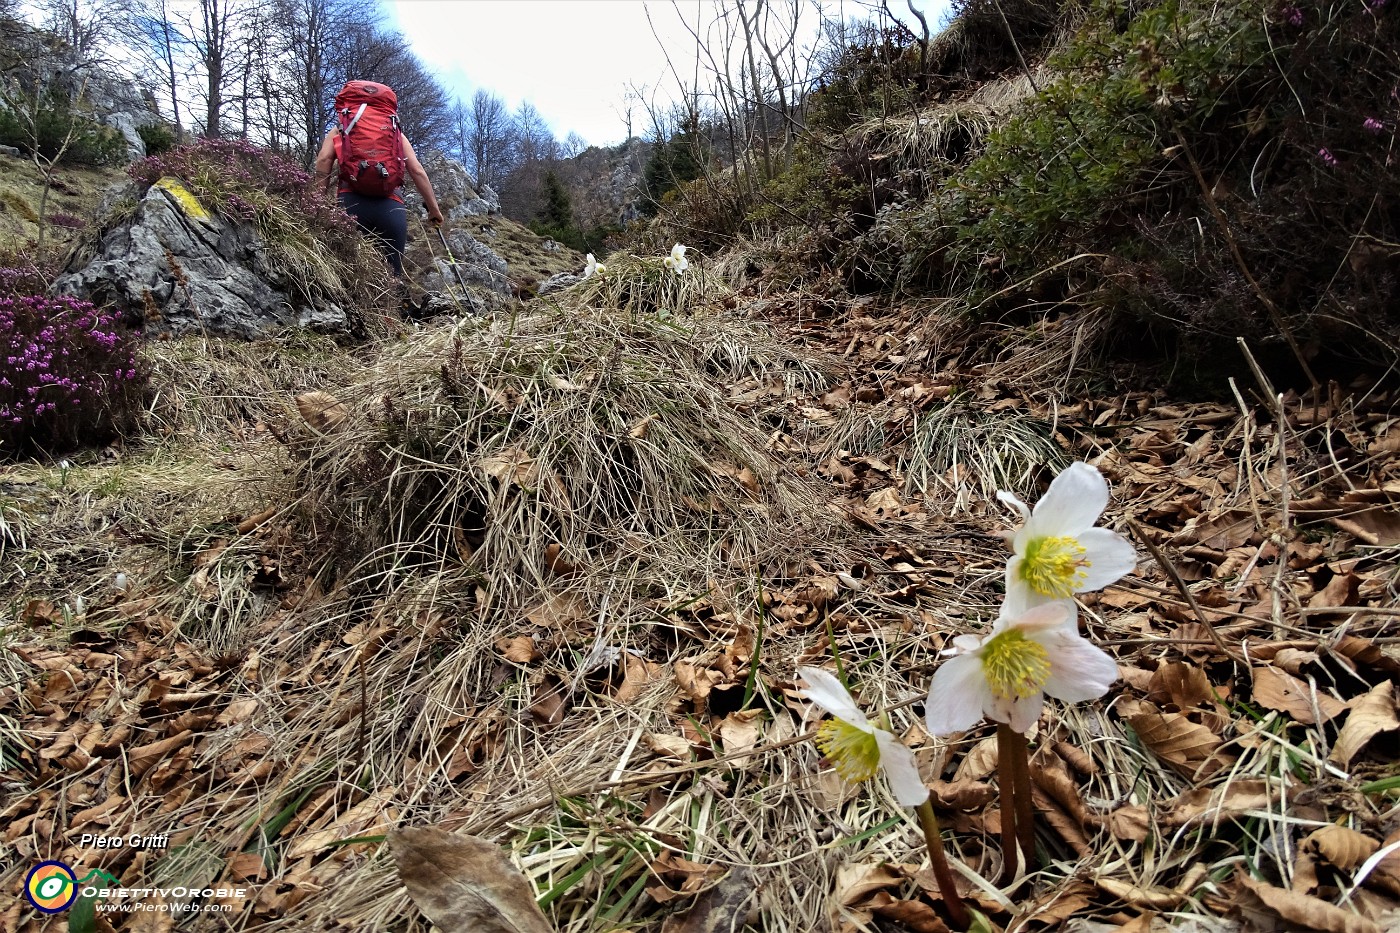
[(383, 218)]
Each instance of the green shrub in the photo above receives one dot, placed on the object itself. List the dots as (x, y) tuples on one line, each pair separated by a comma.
[(673, 163), (157, 137), (30, 122)]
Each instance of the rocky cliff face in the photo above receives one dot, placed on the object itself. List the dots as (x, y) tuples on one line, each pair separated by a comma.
[(605, 184), (35, 61)]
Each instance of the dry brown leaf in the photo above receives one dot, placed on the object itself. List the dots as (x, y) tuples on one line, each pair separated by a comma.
[(549, 701), (884, 502), (1299, 911), (1076, 758), (680, 877), (962, 795), (1339, 591), (1340, 846), (914, 916), (1060, 903), (1305, 879), (721, 909), (1374, 526), (464, 884), (1185, 745), (980, 761), (1133, 823), (1057, 795), (557, 563), (1140, 898), (1386, 875), (559, 610), (673, 746), (325, 413), (512, 466), (1370, 715), (1208, 804), (247, 866), (1280, 691), (856, 881), (520, 649), (740, 731), (637, 675), (142, 758), (1181, 684), (639, 430), (696, 682)]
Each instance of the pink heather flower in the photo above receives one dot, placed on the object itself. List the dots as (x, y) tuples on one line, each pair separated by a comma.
[(1373, 125), (1327, 157)]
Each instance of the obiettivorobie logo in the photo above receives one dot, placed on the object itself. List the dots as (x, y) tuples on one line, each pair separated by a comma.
[(52, 887)]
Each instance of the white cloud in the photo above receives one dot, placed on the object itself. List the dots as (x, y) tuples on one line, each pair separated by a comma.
[(573, 59)]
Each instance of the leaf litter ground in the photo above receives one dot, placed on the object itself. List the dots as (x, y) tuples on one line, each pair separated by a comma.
[(546, 581)]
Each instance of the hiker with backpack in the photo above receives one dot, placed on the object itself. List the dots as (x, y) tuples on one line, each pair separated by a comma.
[(374, 155)]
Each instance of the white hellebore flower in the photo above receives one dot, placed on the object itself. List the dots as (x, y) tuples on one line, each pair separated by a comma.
[(857, 748), (1006, 675), (1059, 552), (677, 262), (593, 266)]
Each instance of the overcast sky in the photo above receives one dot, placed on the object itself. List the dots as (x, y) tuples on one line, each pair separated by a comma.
[(573, 59)]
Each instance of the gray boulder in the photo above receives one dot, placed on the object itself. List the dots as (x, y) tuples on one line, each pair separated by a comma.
[(476, 264), (457, 194), (558, 282), (179, 268)]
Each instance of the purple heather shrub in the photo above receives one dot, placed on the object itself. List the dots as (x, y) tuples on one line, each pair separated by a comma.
[(68, 373), (1372, 125), (67, 220), (242, 181)]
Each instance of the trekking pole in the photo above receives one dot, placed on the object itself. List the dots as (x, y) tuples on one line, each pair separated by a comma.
[(451, 260)]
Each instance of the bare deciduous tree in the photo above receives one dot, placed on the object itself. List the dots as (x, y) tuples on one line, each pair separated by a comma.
[(490, 138)]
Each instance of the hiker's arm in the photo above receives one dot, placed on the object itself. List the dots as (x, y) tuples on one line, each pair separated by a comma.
[(325, 162), (421, 182)]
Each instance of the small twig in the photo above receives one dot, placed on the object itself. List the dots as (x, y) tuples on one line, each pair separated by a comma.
[(1181, 586), (1281, 567), (360, 739), (1245, 446), (1260, 377)]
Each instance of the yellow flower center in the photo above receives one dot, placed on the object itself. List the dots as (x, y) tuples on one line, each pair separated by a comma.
[(1014, 665), (853, 752), (1054, 566)]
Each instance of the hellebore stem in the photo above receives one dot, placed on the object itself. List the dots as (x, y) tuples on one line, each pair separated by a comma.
[(928, 822), (1014, 769)]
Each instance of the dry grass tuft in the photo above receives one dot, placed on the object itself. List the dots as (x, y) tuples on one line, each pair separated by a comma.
[(206, 385), (938, 134), (963, 448), (959, 451), (556, 439), (643, 285)]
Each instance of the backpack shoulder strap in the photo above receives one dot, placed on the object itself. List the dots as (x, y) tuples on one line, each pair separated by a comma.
[(355, 119)]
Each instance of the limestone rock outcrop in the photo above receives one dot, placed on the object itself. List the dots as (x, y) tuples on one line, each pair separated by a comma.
[(175, 267), (457, 194)]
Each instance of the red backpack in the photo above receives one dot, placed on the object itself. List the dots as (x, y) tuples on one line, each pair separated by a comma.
[(369, 146)]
